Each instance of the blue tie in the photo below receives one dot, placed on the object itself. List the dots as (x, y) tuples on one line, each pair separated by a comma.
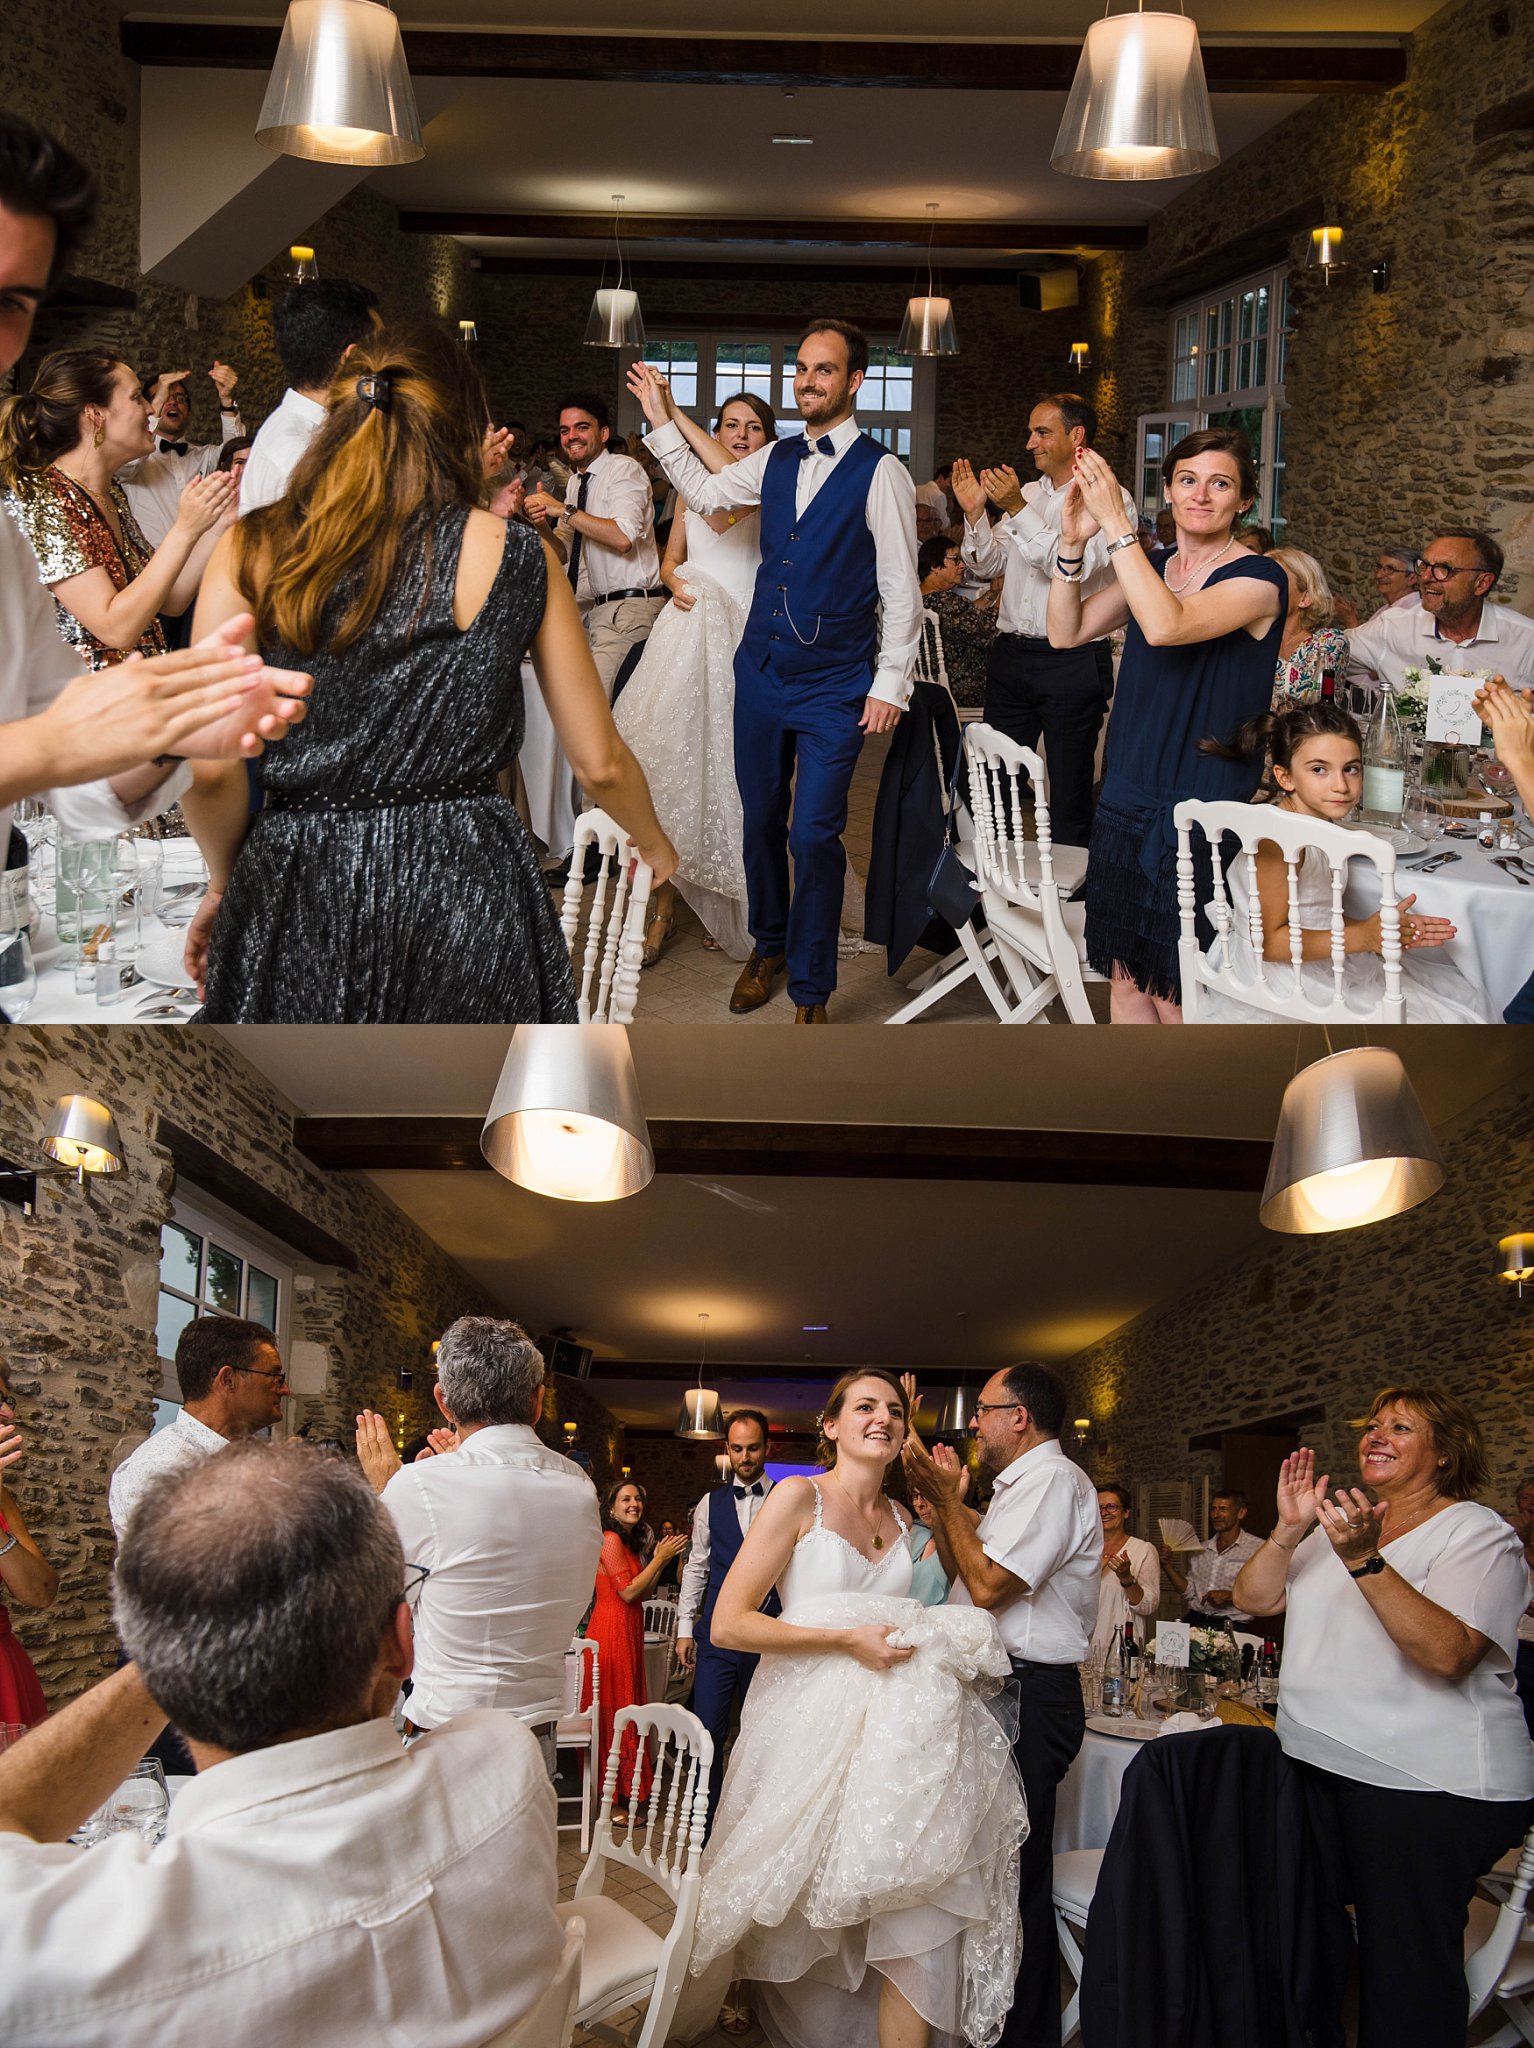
[(742, 1491), (824, 446)]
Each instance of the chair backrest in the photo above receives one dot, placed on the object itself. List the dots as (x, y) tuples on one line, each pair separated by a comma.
[(997, 769), (930, 665), (583, 1678), (607, 965), (1484, 1967), (1234, 964), (660, 1617), (669, 1824), (551, 2023)]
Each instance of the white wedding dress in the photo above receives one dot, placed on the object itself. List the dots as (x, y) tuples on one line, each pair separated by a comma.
[(1435, 990), (870, 1821)]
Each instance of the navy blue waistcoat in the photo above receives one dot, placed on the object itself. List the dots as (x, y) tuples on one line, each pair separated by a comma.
[(724, 1541), (818, 584)]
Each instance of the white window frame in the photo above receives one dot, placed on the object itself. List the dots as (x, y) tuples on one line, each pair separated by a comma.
[(210, 1219)]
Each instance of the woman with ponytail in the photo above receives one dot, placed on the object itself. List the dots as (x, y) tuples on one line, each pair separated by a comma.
[(1317, 753), (62, 443), (387, 879)]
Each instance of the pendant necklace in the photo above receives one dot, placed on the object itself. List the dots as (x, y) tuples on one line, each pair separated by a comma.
[(1203, 569), (878, 1540)]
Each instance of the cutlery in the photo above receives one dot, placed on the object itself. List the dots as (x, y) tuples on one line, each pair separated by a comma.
[(1510, 871), (181, 1011), (1433, 863)]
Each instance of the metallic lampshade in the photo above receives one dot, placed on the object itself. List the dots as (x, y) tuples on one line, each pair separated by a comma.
[(928, 328), (1325, 252), (616, 321), (1139, 106), (702, 1418), (1352, 1146), (722, 1466), (955, 1412), (566, 1119), (340, 92), (1515, 1259), (82, 1135)]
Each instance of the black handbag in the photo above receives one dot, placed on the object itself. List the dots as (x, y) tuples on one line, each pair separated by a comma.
[(953, 894)]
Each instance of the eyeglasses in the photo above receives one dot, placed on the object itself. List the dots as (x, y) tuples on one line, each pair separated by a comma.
[(257, 1372), (416, 1576), (1440, 572), (981, 1406)]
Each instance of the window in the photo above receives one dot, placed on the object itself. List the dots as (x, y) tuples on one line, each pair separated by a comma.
[(1158, 437), (212, 1264)]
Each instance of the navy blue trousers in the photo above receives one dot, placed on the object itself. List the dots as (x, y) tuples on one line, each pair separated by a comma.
[(719, 1677), (797, 738)]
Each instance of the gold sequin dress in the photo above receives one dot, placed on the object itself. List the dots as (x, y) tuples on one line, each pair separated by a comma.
[(69, 534)]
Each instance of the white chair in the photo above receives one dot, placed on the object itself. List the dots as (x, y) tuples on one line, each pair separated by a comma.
[(660, 1620), (577, 1730), (1499, 1956), (1075, 1880), (625, 1958), (929, 666), (608, 961), (1277, 987), (551, 2023)]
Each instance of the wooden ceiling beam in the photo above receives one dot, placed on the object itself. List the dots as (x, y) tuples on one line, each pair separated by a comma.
[(720, 1150), (811, 234), (1297, 66), (745, 272)]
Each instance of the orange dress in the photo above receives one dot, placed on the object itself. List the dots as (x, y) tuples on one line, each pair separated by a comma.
[(617, 1628)]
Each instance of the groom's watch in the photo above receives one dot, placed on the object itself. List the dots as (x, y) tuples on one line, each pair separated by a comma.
[(1368, 1570)]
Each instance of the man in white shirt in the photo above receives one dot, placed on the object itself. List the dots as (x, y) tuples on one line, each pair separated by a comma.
[(232, 1383), (826, 657), (1457, 627), (154, 482), (1033, 689), (1033, 1560), (933, 509), (315, 326), (508, 1530), (319, 1882), (1215, 1569)]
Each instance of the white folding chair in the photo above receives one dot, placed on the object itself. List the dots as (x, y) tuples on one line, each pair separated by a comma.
[(660, 1620), (625, 1958), (1278, 988), (1075, 1880), (577, 1730), (1499, 1956), (551, 2023), (607, 964), (929, 665)]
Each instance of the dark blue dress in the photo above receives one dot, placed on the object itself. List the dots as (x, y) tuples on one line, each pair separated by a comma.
[(1167, 699)]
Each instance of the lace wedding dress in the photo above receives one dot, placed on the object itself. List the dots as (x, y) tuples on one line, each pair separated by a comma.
[(870, 1821)]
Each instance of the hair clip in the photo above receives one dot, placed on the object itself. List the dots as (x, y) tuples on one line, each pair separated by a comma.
[(375, 390)]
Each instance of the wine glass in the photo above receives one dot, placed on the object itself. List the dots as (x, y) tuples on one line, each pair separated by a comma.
[(18, 976), (141, 1804)]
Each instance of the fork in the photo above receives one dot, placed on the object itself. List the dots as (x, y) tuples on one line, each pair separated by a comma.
[(1508, 869)]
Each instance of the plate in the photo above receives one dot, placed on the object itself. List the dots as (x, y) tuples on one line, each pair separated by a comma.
[(159, 961), (1125, 1728), (1405, 842)]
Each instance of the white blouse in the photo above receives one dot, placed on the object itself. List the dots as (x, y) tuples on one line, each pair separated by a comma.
[(1114, 1606), (1351, 1702)]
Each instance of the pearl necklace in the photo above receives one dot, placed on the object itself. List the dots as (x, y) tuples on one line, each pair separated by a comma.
[(1203, 569)]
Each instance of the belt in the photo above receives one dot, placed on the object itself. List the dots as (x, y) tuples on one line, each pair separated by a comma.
[(384, 799), (1028, 1664), (1025, 639), (617, 596)]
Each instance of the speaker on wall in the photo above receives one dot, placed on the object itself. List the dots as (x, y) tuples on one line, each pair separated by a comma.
[(564, 1355), (1049, 291)]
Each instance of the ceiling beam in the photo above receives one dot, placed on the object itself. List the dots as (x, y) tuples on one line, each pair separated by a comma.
[(1297, 66), (828, 234), (1125, 1159), (736, 273)]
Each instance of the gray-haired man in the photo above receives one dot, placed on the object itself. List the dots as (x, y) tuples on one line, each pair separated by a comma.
[(508, 1529)]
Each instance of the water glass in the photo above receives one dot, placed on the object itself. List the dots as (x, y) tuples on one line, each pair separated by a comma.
[(141, 1804), (84, 890), (183, 882), (18, 986)]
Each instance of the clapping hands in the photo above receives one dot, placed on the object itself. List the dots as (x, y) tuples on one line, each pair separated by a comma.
[(11, 1445), (375, 1450)]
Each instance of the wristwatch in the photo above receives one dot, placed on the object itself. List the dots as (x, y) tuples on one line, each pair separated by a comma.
[(1368, 1570), (1125, 540)]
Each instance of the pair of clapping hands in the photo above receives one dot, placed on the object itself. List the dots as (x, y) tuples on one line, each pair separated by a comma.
[(935, 1475), (378, 1457), (999, 485)]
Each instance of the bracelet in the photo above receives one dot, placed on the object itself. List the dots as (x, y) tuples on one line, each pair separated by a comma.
[(1069, 561), (167, 760), (1068, 575), (7, 1548), (1287, 1548)]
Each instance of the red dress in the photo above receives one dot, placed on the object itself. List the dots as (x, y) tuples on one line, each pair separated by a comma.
[(617, 1628), (21, 1697)]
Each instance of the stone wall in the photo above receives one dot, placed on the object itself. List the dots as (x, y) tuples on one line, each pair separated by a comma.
[(78, 1282), (1306, 1322), (1409, 408)]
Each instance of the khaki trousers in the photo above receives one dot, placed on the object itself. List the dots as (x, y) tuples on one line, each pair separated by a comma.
[(613, 629)]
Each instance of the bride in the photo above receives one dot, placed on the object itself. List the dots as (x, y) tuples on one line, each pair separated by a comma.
[(863, 1863), (677, 710)]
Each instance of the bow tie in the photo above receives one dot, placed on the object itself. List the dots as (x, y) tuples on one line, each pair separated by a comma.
[(174, 447), (824, 446), (740, 1492)]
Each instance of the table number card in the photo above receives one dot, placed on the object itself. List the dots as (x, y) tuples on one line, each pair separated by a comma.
[(1174, 1644), (1451, 713)]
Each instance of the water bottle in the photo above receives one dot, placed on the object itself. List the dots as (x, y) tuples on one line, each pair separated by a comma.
[(1115, 1678), (1267, 1676)]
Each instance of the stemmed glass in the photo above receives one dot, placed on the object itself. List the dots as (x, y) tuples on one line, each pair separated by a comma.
[(141, 1804), (18, 976)]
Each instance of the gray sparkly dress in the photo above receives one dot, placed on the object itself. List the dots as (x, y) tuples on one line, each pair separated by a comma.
[(386, 881)]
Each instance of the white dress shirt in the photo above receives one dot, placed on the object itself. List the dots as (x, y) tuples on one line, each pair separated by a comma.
[(890, 512), (1352, 1702), (619, 491), (186, 1441), (1213, 1570), (34, 666), (281, 442), (1397, 639), (695, 1570), (1021, 548), (154, 482), (1043, 1527), (340, 1890), (1114, 1606), (510, 1532)]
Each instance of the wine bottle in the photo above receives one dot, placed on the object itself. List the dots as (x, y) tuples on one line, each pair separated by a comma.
[(1267, 1676), (1328, 685)]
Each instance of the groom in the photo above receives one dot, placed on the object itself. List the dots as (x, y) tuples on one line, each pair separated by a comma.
[(817, 668)]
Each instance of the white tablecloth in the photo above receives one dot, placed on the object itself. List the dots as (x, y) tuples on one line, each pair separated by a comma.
[(1493, 946), (547, 780), (57, 1002), (1088, 1795)]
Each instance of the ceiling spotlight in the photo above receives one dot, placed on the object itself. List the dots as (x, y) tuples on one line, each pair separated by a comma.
[(796, 141)]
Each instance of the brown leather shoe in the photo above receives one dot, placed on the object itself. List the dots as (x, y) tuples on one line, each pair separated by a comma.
[(810, 1013), (754, 984)]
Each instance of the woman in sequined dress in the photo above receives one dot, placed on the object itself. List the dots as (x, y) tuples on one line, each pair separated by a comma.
[(62, 444), (387, 879)]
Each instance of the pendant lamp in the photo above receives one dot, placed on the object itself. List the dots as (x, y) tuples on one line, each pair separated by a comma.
[(566, 1119), (955, 1412), (701, 1419), (928, 328), (615, 320), (340, 90), (1352, 1146), (1139, 106)]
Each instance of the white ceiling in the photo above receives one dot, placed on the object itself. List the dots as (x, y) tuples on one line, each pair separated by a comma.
[(889, 1264)]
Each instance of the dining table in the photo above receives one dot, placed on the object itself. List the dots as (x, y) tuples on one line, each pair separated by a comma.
[(1087, 1797), (1491, 908)]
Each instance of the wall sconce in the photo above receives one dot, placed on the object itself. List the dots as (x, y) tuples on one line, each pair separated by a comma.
[(1081, 356), (302, 268), (1515, 1260), (570, 1429), (1326, 255), (1081, 1428), (722, 1465), (81, 1135), (468, 333)]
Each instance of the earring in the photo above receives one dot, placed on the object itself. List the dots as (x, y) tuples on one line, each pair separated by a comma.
[(98, 437)]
